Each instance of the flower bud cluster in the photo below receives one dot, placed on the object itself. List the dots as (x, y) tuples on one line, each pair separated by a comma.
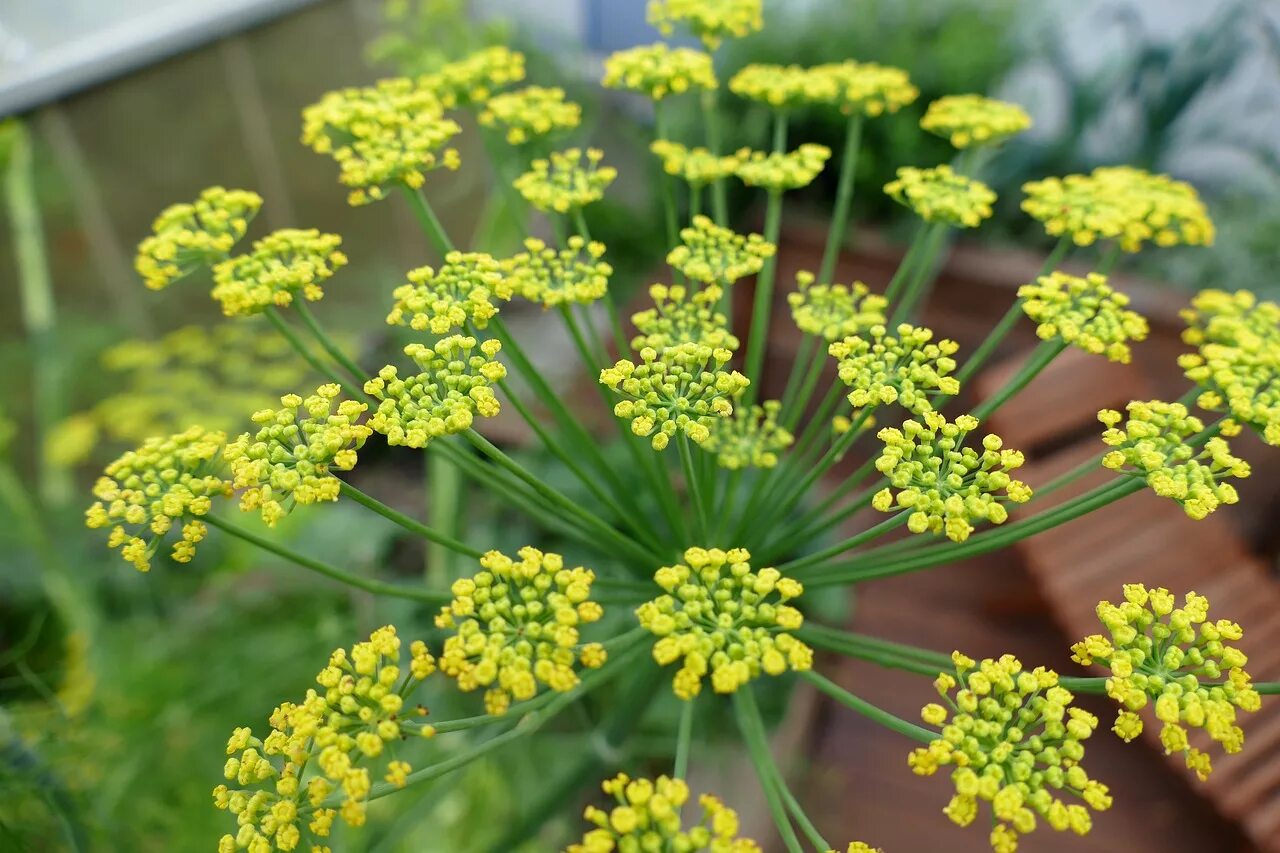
[(710, 20), (658, 70), (440, 301), (472, 79), (188, 236), (530, 113), (680, 317), (904, 369), (568, 181), (282, 264), (778, 172), (751, 438), (695, 166), (784, 86), (940, 195), (713, 255), (834, 311), (574, 274), (972, 120), (867, 88), (1086, 313)]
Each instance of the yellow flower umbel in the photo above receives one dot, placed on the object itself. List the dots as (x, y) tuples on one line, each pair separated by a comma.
[(777, 172), (683, 388), (568, 181), (575, 274), (1083, 312), (722, 618), (188, 236), (647, 817), (834, 311), (710, 20), (882, 369), (783, 87), (940, 195), (658, 70), (451, 388), (752, 438), (713, 255), (1167, 656), (679, 317), (1079, 206), (1154, 444), (381, 136), (282, 264), (516, 626), (473, 79), (1169, 212), (860, 847), (1016, 742), (335, 734), (947, 487), (441, 301), (972, 120), (869, 89), (697, 167), (530, 113), (291, 458), (166, 482)]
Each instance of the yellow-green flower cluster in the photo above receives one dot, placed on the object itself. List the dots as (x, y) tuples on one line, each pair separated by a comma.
[(867, 88), (695, 166), (882, 369), (946, 486), (574, 274), (784, 86), (680, 317), (1086, 313), (834, 311), (291, 458), (1154, 444), (752, 438), (530, 113), (714, 255), (682, 388), (166, 483), (710, 20), (647, 817), (1237, 361), (335, 733), (860, 847), (282, 264), (720, 617), (1015, 741), (939, 194), (443, 398), (568, 181), (658, 70), (472, 79), (778, 172), (1167, 656), (516, 626), (188, 236), (970, 120), (462, 291), (381, 136)]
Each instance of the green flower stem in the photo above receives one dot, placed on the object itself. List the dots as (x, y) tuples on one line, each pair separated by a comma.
[(1040, 358), (921, 276), (840, 492), (444, 503), (910, 260), (367, 584), (1065, 479), (711, 115), (878, 652), (812, 532), (408, 523), (762, 308), (611, 304), (695, 490), (467, 723), (833, 456), (838, 234), (669, 215), (273, 315), (866, 709), (811, 380), (684, 739), (799, 369), (1098, 685), (695, 201), (335, 352), (727, 506), (430, 223), (868, 535), (797, 812), (753, 734), (1109, 259)]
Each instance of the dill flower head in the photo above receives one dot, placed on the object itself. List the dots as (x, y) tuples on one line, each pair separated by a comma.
[(721, 617), (188, 236), (574, 274), (443, 398), (778, 172), (282, 264), (658, 70), (530, 113), (1154, 444), (460, 292), (1015, 741), (940, 195), (165, 484), (714, 255), (1166, 211), (860, 847), (783, 86), (710, 20), (1087, 210), (381, 136), (569, 180), (355, 720), (682, 388), (516, 626), (947, 487), (472, 79), (647, 817), (971, 120), (1166, 656), (680, 317), (1083, 312), (291, 458), (903, 369), (695, 166), (834, 311), (751, 438), (868, 88)]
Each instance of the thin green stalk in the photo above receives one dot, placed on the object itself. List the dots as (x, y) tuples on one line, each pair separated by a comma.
[(335, 352), (852, 645), (711, 115), (833, 456), (427, 218), (1040, 358), (273, 316), (611, 305), (684, 739), (444, 512), (752, 729), (797, 811), (669, 214), (910, 259), (732, 487), (800, 366), (868, 535), (695, 201), (804, 394), (866, 709), (811, 532), (771, 775), (408, 523), (1108, 262), (921, 276), (694, 487), (837, 235), (367, 584), (762, 307)]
